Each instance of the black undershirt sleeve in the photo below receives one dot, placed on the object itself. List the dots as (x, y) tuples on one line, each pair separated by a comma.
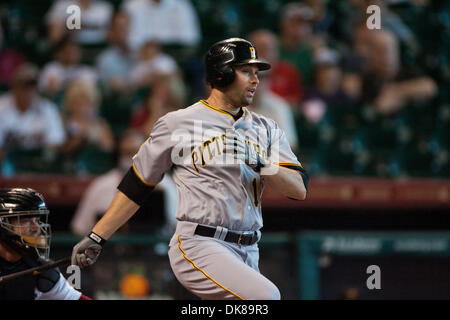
[(134, 188), (302, 172)]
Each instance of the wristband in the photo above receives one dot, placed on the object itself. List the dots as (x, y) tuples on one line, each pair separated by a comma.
[(96, 238)]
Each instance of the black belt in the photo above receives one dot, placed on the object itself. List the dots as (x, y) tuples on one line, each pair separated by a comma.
[(243, 239)]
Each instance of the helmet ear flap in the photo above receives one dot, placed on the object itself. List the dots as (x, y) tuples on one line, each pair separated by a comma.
[(225, 76)]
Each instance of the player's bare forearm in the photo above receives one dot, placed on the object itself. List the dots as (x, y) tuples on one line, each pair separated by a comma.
[(118, 213), (287, 181)]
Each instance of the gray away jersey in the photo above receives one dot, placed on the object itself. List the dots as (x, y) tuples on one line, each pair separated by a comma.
[(213, 188)]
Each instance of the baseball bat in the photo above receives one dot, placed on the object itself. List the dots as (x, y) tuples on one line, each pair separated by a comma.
[(36, 270)]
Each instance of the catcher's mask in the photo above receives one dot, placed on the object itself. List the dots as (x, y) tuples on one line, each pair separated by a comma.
[(24, 222), (224, 55)]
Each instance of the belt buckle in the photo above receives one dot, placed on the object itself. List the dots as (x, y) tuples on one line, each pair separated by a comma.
[(245, 233)]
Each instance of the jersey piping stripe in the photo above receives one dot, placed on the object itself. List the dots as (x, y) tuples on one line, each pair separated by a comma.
[(289, 164), (203, 272), (149, 137), (206, 104), (140, 178)]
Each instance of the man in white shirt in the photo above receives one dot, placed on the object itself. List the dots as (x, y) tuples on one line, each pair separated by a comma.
[(114, 63), (166, 21), (152, 62), (27, 120), (95, 16), (57, 74)]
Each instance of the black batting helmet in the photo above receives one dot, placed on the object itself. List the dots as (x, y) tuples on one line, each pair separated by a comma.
[(24, 222), (225, 54)]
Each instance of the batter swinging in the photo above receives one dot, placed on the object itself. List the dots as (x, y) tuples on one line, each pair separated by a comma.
[(221, 154)]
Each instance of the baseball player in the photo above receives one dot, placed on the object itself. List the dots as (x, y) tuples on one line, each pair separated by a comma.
[(221, 155), (25, 244)]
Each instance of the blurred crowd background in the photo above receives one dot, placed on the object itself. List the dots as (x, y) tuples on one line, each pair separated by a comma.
[(354, 102)]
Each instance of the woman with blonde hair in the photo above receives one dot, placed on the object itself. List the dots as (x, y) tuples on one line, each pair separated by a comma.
[(84, 126)]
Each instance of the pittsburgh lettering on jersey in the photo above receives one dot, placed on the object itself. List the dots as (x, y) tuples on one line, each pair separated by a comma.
[(211, 151)]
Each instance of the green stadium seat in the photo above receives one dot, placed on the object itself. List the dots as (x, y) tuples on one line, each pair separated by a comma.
[(339, 122), (308, 134), (93, 161), (439, 146), (382, 135), (332, 160), (116, 110), (33, 161), (372, 163), (414, 162)]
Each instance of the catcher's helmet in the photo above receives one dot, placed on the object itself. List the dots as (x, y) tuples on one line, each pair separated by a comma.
[(225, 54), (24, 222)]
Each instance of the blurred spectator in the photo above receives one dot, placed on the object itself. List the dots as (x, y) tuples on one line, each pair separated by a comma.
[(66, 68), (158, 101), (385, 84), (327, 90), (95, 17), (154, 65), (10, 60), (85, 128), (285, 81), (352, 71), (390, 21), (27, 120), (102, 190), (114, 63), (165, 21), (322, 19), (152, 62), (270, 105), (296, 39)]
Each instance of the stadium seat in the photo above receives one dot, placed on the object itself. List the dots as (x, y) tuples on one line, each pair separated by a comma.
[(32, 161), (93, 161), (439, 146), (414, 162), (308, 134), (116, 110), (331, 160)]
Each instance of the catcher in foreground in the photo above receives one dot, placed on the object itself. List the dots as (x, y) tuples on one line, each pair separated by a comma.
[(25, 244)]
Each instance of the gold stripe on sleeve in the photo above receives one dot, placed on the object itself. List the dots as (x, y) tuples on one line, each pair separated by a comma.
[(140, 178), (288, 164)]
